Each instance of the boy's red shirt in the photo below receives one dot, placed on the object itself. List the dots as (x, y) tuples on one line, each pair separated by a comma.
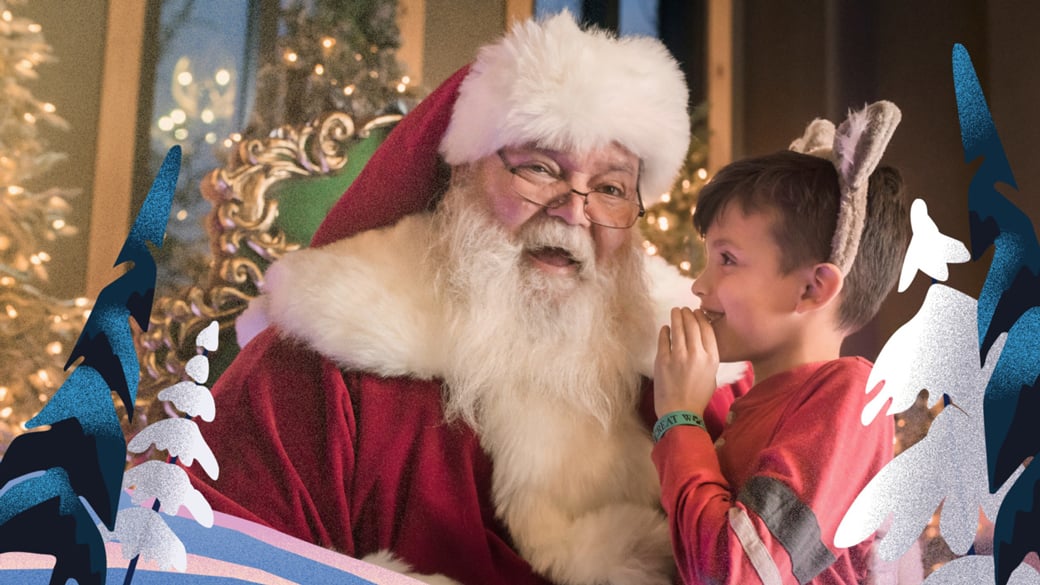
[(767, 497)]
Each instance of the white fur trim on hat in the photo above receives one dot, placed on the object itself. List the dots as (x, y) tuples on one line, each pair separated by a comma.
[(552, 84)]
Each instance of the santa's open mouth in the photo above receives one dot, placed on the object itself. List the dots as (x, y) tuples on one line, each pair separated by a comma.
[(555, 259)]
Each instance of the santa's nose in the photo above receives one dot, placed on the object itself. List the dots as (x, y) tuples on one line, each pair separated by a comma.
[(570, 207)]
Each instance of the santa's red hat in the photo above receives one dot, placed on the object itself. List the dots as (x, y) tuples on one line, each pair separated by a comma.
[(548, 83)]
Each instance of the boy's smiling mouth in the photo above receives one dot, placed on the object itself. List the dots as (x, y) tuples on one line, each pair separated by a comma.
[(712, 315)]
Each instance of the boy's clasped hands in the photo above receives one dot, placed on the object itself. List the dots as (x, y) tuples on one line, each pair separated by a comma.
[(686, 364)]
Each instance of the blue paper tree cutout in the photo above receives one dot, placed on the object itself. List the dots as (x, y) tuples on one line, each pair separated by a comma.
[(82, 455), (1009, 302)]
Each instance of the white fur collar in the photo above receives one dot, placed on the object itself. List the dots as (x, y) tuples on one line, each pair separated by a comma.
[(366, 303)]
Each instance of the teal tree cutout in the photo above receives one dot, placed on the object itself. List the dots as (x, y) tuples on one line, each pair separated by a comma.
[(52, 481)]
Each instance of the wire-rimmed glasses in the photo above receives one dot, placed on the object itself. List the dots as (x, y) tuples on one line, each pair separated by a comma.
[(607, 206)]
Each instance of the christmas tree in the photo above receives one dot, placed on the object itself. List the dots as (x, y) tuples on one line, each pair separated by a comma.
[(668, 225), (331, 55), (315, 56), (36, 329)]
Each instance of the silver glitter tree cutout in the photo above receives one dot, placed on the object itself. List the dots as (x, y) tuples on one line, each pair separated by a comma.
[(142, 531)]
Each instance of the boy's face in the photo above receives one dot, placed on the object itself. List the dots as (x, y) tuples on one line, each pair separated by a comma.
[(751, 304)]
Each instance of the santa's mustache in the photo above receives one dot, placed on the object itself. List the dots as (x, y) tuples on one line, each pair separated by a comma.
[(550, 233)]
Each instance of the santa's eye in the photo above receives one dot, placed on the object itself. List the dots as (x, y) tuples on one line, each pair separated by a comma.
[(611, 191)]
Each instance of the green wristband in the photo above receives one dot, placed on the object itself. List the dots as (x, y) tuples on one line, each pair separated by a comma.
[(674, 419)]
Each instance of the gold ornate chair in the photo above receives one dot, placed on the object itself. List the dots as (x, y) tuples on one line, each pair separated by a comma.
[(267, 201)]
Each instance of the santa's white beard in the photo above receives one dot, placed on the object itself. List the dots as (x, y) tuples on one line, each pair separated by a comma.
[(517, 333)]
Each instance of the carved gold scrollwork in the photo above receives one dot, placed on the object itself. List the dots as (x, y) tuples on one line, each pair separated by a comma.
[(244, 238)]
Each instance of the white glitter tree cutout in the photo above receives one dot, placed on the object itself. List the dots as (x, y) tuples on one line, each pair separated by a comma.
[(164, 486), (937, 351)]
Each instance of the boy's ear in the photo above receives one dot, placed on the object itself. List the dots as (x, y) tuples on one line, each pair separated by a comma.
[(822, 284)]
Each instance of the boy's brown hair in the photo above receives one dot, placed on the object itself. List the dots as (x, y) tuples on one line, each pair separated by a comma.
[(801, 192)]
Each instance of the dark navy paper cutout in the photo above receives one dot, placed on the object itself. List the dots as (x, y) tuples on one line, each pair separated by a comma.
[(1008, 302)]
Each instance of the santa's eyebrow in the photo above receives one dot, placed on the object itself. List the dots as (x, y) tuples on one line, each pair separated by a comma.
[(559, 157), (620, 167)]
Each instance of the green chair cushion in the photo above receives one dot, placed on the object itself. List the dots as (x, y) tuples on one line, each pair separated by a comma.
[(304, 203)]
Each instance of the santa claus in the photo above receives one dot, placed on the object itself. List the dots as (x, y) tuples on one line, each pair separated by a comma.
[(454, 381)]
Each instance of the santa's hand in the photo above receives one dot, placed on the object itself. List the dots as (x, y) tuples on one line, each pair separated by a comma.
[(687, 359)]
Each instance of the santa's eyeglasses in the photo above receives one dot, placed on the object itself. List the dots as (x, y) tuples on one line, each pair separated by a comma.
[(607, 205)]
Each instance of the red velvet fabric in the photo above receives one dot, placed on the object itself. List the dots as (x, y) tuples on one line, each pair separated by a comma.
[(356, 463)]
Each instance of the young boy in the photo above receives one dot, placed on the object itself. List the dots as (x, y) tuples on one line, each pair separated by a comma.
[(781, 289)]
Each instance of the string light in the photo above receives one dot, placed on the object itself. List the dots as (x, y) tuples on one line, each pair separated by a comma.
[(222, 77), (319, 69), (328, 42), (666, 226), (36, 327)]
